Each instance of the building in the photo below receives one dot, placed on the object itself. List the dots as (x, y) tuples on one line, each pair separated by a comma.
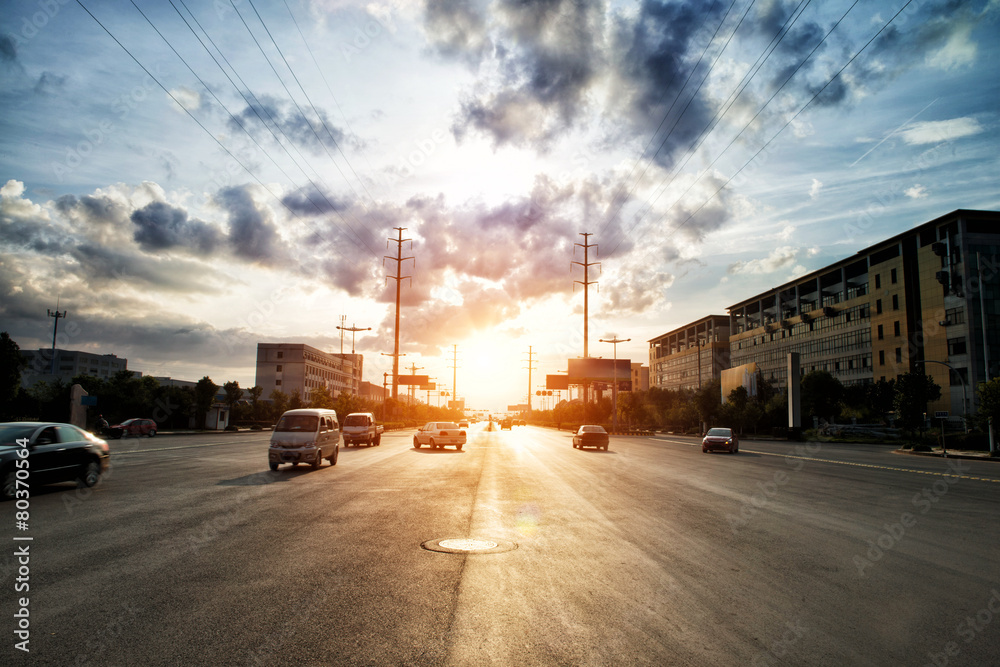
[(640, 377), (68, 364), (373, 392), (690, 356), (291, 367), (913, 302)]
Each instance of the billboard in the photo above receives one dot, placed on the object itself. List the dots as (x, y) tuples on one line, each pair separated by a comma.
[(593, 369), (741, 376), (557, 382), (418, 380), (457, 405), (430, 386)]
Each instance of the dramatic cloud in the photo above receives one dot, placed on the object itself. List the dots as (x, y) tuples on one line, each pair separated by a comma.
[(282, 121), (779, 258), (159, 226), (252, 232)]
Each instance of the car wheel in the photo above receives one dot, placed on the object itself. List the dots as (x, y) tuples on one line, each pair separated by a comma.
[(378, 441), (274, 466), (605, 448), (458, 447), (152, 432), (333, 459), (433, 446), (704, 451), (9, 484), (416, 443), (318, 461), (90, 474)]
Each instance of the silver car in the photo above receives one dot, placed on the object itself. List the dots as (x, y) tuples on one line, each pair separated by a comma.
[(439, 434)]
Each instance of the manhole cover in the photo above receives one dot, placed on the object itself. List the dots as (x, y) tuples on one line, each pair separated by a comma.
[(464, 545)]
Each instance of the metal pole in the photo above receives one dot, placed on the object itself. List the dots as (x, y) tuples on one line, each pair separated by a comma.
[(614, 388)]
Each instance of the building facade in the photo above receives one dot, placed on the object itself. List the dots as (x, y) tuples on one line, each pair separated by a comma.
[(927, 299), (68, 364), (293, 367), (640, 377), (690, 356)]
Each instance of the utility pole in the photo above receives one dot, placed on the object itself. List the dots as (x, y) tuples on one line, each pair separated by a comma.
[(529, 377), (352, 329), (454, 372), (586, 282), (55, 329), (343, 318), (399, 259), (412, 393)]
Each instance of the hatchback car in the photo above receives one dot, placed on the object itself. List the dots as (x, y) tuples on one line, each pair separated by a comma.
[(591, 435), (438, 435), (55, 453), (134, 427), (721, 438)]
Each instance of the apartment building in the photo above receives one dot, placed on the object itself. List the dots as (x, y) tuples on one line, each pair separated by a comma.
[(298, 367), (690, 356), (68, 364)]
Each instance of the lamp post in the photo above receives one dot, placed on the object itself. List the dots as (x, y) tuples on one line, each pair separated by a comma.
[(353, 329), (614, 387), (964, 398)]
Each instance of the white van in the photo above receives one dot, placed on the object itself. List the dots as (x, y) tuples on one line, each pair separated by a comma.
[(308, 435)]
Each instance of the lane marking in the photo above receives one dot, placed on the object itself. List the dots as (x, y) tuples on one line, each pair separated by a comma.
[(167, 449), (851, 463)]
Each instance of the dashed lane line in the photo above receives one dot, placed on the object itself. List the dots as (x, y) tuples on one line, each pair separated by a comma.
[(851, 463)]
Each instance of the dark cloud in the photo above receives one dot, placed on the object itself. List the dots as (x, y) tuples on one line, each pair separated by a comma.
[(311, 201), (269, 117), (252, 233), (49, 82), (159, 226), (8, 49), (457, 28)]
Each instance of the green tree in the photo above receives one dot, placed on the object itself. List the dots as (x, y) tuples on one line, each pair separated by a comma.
[(989, 405), (233, 396), (295, 401), (913, 392), (708, 400), (279, 402), (821, 395), (321, 398), (11, 364), (255, 392), (204, 396)]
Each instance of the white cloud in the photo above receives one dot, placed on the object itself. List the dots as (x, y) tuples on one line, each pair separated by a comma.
[(188, 99), (778, 259), (935, 131), (817, 185), (787, 232), (916, 192), (959, 50)]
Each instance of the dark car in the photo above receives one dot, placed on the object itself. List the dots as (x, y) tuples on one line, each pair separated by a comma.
[(134, 427), (506, 423), (721, 438), (55, 453), (591, 435)]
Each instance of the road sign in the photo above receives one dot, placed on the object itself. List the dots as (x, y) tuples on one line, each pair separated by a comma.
[(941, 414)]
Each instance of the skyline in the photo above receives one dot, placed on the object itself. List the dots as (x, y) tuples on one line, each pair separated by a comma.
[(184, 201)]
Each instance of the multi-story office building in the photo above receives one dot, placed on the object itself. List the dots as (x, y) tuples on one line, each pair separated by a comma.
[(913, 302), (640, 377), (68, 364), (690, 356), (295, 366)]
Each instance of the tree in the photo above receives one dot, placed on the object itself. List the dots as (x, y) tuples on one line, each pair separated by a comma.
[(708, 400), (321, 398), (204, 396), (279, 400), (295, 401), (255, 392), (821, 394), (989, 405), (233, 396), (11, 363), (913, 392)]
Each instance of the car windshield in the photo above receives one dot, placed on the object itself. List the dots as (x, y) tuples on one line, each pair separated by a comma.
[(356, 420), (297, 423), (720, 432), (11, 433), (446, 425)]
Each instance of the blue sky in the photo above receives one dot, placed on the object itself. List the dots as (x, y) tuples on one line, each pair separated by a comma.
[(185, 197)]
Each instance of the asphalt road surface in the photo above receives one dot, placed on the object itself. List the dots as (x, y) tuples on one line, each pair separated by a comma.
[(652, 553)]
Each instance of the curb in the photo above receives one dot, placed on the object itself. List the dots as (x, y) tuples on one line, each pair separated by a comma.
[(938, 455)]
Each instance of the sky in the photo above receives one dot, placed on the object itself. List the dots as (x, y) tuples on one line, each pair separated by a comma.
[(186, 179)]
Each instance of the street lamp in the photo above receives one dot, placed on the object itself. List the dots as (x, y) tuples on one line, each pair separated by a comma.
[(964, 397), (614, 388)]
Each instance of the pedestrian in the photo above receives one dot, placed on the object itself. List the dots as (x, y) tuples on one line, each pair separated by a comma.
[(102, 425)]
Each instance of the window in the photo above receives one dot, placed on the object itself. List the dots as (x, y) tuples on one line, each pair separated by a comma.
[(899, 355), (955, 316), (880, 336), (277, 369), (878, 281), (956, 346), (895, 327), (881, 357), (277, 383), (892, 276), (895, 302), (878, 306)]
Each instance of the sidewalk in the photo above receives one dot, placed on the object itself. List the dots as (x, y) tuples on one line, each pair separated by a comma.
[(952, 454)]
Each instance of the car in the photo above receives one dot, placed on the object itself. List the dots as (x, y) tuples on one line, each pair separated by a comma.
[(591, 435), (464, 423), (305, 435), (361, 427), (721, 438), (56, 452), (438, 435), (134, 427), (506, 423), (521, 422)]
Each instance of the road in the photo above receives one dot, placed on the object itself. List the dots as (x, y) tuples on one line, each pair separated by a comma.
[(652, 553)]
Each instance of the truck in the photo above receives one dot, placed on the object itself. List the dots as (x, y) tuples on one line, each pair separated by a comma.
[(361, 427)]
